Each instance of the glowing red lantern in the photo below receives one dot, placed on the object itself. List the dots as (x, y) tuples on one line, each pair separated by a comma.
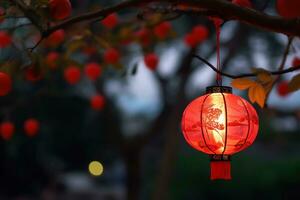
[(220, 124)]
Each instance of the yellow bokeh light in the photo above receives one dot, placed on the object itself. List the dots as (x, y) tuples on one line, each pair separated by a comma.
[(95, 168)]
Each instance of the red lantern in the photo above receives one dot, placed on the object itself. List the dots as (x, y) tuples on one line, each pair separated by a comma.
[(60, 9), (220, 124), (110, 21)]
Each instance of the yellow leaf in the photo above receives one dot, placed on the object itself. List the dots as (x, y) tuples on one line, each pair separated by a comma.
[(295, 83), (257, 94), (258, 70), (251, 94), (268, 86), (260, 95), (242, 83), (264, 77), (74, 46)]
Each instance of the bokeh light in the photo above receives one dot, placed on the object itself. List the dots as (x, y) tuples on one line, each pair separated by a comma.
[(95, 168)]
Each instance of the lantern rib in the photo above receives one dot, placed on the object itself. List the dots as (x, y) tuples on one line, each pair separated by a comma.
[(225, 106), (201, 119), (248, 117)]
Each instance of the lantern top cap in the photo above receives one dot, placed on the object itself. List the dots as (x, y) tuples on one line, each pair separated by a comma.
[(218, 89)]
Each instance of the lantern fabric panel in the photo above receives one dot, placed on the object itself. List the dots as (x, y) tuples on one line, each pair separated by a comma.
[(191, 124), (254, 123), (242, 124)]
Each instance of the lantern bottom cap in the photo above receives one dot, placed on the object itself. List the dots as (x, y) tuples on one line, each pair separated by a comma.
[(220, 170)]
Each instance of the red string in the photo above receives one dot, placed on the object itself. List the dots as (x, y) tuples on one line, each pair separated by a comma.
[(217, 23)]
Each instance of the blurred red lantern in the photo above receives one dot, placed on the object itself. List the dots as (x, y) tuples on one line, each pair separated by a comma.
[(31, 127), (60, 9), (56, 38), (5, 84), (162, 30), (296, 62), (2, 13), (110, 21), (288, 8), (200, 33), (7, 129), (283, 88), (72, 75), (151, 60), (243, 3), (144, 36), (220, 124), (196, 36), (51, 60), (97, 102), (92, 71), (32, 74), (111, 56), (5, 39), (190, 40)]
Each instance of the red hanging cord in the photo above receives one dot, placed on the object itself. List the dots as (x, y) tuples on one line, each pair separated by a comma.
[(217, 23)]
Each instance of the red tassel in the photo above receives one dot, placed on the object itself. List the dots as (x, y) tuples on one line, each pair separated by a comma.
[(220, 170)]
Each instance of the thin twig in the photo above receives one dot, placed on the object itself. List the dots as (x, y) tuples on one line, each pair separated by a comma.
[(29, 13), (286, 53), (15, 17), (279, 72), (31, 49), (16, 27), (281, 66)]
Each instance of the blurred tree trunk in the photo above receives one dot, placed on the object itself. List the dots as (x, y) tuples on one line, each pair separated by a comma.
[(132, 162), (172, 127)]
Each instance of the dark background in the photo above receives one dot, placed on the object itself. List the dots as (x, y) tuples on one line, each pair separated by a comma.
[(137, 137)]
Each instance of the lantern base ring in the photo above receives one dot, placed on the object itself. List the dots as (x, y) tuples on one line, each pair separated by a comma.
[(220, 157), (218, 89)]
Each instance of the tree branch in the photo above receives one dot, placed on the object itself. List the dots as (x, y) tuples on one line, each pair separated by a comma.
[(219, 8), (29, 13), (230, 11), (279, 72), (31, 49), (92, 15)]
